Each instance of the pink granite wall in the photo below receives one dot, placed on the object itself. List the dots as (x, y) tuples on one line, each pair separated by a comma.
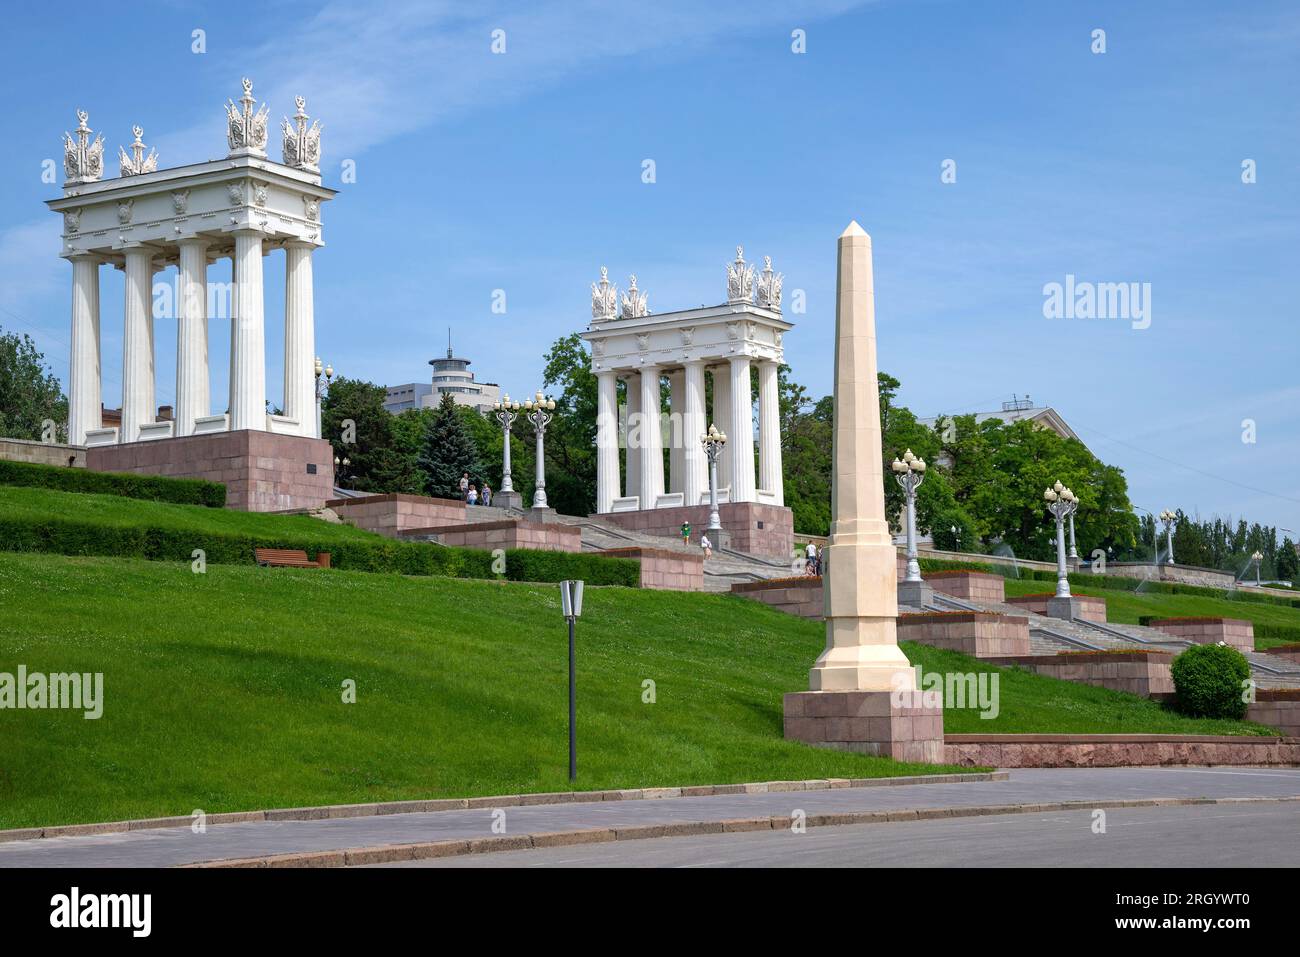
[(1277, 709), (1289, 652), (43, 453), (1143, 673), (508, 533), (980, 634), (775, 539), (392, 514), (974, 586), (794, 596), (1091, 608), (665, 570), (262, 472), (1117, 750), (1210, 631)]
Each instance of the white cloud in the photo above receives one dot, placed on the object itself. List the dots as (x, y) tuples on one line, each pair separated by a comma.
[(375, 72)]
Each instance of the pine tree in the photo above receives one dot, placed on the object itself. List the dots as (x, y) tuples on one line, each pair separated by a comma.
[(448, 452)]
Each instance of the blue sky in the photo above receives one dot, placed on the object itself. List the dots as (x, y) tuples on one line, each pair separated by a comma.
[(522, 172)]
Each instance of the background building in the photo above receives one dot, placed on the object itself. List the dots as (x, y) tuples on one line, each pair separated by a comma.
[(451, 375)]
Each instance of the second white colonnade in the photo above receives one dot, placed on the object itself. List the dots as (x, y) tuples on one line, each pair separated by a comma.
[(718, 349)]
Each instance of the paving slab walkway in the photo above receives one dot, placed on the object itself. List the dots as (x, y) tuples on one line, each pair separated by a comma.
[(177, 846)]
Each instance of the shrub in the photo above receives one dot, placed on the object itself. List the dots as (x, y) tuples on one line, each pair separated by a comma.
[(155, 488), (1208, 681)]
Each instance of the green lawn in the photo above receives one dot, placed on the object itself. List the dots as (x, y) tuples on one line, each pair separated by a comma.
[(114, 510), (223, 690), (1124, 607)]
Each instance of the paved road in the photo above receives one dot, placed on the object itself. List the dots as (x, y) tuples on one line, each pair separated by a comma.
[(1260, 835), (171, 846)]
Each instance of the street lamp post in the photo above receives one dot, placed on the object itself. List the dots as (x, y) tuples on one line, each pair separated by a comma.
[(1257, 557), (340, 468), (1062, 504), (909, 471), (1169, 518), (713, 442), (322, 387), (538, 410), (1074, 552), (504, 412)]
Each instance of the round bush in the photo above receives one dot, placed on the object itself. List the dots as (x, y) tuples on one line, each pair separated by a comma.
[(1208, 681)]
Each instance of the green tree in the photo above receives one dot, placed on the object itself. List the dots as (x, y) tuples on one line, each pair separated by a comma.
[(29, 392), (1288, 565), (449, 452), (354, 420), (571, 436)]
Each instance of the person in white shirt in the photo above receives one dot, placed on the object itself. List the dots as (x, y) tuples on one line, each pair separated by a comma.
[(811, 553), (707, 546), (472, 496)]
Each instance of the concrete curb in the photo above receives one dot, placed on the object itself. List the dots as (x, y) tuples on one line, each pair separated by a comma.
[(333, 811), (392, 853)]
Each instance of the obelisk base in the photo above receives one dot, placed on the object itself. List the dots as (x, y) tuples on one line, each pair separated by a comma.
[(887, 724)]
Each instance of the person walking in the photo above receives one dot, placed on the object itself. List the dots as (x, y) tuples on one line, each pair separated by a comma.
[(464, 486), (686, 533), (472, 496), (486, 494), (707, 546), (812, 558)]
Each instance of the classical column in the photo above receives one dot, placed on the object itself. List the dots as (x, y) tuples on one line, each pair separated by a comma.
[(632, 384), (299, 338), (695, 479), (248, 336), (676, 432), (652, 453), (860, 593), (137, 345), (84, 368), (193, 395), (740, 437), (722, 419), (607, 485), (769, 432)]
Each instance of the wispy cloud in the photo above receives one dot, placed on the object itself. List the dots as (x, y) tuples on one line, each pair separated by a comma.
[(376, 72)]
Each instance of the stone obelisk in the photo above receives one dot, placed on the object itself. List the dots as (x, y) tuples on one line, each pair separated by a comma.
[(860, 585), (863, 690)]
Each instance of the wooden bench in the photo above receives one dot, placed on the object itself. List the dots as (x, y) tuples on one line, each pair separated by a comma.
[(289, 558)]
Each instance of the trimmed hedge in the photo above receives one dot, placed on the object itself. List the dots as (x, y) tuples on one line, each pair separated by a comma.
[(1289, 633), (70, 537), (1209, 681), (1111, 582), (157, 488)]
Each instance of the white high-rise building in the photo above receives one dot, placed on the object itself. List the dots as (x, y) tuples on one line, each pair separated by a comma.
[(451, 376)]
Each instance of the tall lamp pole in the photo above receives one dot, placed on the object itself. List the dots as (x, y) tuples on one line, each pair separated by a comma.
[(909, 471), (1257, 558), (538, 411), (504, 412), (1169, 518), (1062, 504), (322, 387), (713, 442)]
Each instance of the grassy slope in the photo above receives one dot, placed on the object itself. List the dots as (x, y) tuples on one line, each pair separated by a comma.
[(115, 510), (1124, 607), (223, 690)]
